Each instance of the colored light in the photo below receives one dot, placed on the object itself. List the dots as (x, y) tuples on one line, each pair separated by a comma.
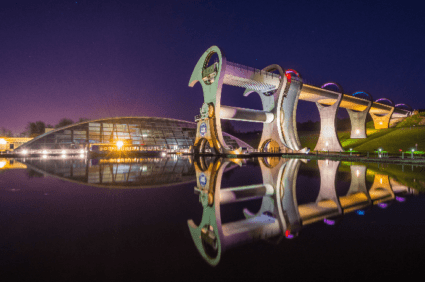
[(329, 221), (360, 212), (400, 199), (2, 141), (383, 205), (288, 234), (120, 144)]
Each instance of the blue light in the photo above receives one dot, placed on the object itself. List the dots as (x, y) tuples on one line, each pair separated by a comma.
[(360, 212)]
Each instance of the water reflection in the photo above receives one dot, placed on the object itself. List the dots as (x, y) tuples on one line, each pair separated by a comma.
[(115, 172), (280, 215)]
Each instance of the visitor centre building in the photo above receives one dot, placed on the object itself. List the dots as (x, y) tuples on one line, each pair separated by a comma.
[(132, 133)]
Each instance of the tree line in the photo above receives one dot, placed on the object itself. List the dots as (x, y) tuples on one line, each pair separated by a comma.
[(33, 129)]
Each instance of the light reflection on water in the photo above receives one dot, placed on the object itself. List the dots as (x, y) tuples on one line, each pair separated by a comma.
[(266, 207)]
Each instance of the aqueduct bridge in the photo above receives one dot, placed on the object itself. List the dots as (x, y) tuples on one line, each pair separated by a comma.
[(279, 91)]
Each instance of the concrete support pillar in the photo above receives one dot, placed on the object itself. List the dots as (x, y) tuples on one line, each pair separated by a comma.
[(382, 121), (288, 118), (381, 190), (327, 194), (327, 204), (357, 196), (288, 196), (328, 138), (358, 122)]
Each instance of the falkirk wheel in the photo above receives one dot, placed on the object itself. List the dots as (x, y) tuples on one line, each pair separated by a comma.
[(279, 95)]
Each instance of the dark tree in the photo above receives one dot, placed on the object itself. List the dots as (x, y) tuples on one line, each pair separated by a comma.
[(5, 132), (64, 122), (83, 119), (34, 129)]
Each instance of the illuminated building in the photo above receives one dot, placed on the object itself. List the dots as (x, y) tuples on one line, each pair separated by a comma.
[(131, 133), (11, 143)]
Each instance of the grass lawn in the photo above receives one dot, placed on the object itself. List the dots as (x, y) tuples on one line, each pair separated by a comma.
[(390, 139)]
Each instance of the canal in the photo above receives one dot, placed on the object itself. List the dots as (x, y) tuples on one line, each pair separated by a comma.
[(209, 219)]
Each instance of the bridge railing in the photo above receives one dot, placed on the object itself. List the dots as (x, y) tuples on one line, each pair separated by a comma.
[(254, 70)]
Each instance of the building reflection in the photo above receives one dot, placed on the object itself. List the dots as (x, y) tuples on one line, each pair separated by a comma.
[(116, 172), (280, 216)]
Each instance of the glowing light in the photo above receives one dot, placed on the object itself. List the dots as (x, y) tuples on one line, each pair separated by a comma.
[(63, 156), (360, 212), (357, 131), (63, 152), (81, 151), (380, 180), (2, 141), (362, 92), (120, 144), (329, 221), (288, 234), (327, 143), (400, 199), (380, 149), (44, 152), (380, 122), (44, 157), (383, 205), (358, 173), (2, 164), (82, 156), (163, 154), (24, 152), (385, 99)]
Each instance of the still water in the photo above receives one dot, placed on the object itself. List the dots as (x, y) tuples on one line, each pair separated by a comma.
[(181, 219)]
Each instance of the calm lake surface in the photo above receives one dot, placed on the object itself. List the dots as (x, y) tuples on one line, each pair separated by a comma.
[(176, 219)]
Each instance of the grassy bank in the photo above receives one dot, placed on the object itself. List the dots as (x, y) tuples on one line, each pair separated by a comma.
[(391, 140)]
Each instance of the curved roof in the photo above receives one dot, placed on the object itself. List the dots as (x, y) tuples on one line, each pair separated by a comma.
[(100, 120), (238, 141)]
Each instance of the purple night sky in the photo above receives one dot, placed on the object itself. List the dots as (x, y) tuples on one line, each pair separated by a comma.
[(97, 59)]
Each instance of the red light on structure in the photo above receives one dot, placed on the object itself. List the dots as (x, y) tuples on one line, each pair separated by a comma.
[(288, 76)]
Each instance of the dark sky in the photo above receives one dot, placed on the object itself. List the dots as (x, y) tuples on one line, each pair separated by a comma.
[(99, 59)]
